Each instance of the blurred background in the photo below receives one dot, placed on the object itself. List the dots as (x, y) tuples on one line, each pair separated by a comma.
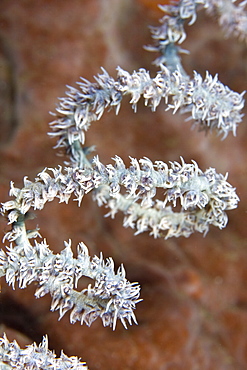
[(194, 309)]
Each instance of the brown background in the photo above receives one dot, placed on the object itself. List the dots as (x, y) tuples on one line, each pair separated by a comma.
[(194, 309)]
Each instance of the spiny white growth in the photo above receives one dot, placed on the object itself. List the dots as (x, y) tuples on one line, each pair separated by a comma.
[(212, 105), (111, 298), (35, 357), (204, 196), (169, 36), (201, 198), (232, 18)]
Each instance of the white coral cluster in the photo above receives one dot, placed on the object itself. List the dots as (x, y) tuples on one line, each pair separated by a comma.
[(231, 17), (202, 197), (212, 105), (35, 357), (112, 296)]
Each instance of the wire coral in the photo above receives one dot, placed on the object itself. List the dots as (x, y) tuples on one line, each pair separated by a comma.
[(203, 197), (35, 357)]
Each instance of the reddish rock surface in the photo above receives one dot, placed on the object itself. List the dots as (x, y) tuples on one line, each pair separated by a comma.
[(194, 309)]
